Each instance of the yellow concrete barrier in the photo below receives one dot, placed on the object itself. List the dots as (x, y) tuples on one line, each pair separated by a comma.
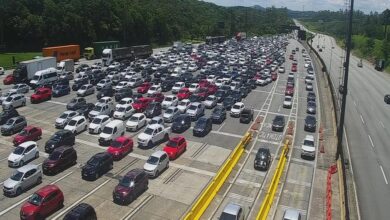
[(216, 183), (269, 198)]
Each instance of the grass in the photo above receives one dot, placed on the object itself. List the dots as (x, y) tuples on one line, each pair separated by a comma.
[(6, 58)]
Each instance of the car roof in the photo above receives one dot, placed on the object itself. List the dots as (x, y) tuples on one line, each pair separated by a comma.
[(158, 153), (114, 123), (177, 138), (27, 167), (29, 127), (78, 117), (309, 137), (62, 148), (154, 126), (102, 116), (134, 172), (27, 143), (122, 138), (291, 214), (262, 150), (138, 115), (68, 111), (239, 103), (44, 191), (232, 209)]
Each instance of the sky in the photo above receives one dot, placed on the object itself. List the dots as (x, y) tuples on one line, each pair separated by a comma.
[(310, 5)]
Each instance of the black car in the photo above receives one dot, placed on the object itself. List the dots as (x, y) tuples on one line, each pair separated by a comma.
[(310, 123), (153, 109), (220, 95), (167, 85), (181, 123), (85, 108), (122, 93), (252, 83), (202, 127), (76, 103), (58, 139), (60, 159), (278, 123), (132, 185), (387, 99), (246, 116), (95, 78), (262, 159), (228, 102), (7, 114), (105, 91), (98, 165), (77, 84), (195, 98), (311, 107), (218, 115), (82, 211), (236, 95), (311, 96), (81, 67)]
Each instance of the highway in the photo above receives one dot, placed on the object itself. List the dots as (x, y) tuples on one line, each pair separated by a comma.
[(367, 126)]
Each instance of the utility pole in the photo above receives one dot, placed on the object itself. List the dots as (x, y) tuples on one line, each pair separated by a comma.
[(340, 132)]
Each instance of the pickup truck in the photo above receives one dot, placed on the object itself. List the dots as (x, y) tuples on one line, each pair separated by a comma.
[(153, 134)]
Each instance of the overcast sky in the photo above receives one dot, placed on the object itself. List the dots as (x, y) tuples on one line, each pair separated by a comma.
[(314, 5)]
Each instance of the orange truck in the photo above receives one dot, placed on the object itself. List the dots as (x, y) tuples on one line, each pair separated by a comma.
[(62, 52)]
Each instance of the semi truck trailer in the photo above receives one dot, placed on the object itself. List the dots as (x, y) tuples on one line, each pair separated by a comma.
[(123, 53), (62, 52)]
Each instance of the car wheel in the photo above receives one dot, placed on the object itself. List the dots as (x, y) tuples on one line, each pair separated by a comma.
[(24, 104), (61, 204), (37, 155), (168, 164), (111, 166), (96, 176), (21, 163), (150, 144), (157, 173), (85, 128), (99, 130), (166, 137), (39, 180), (18, 191)]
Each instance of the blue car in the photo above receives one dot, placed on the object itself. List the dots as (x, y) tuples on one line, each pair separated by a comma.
[(61, 90)]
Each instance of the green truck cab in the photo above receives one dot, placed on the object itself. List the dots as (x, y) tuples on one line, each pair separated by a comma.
[(95, 51)]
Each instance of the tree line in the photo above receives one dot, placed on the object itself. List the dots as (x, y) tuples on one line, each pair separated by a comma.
[(33, 24)]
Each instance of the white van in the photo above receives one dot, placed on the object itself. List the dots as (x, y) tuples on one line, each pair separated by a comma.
[(42, 77), (112, 130)]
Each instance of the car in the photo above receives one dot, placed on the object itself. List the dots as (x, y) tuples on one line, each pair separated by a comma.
[(97, 165), (136, 122), (157, 97), (29, 133), (184, 93), (281, 69), (183, 105), (287, 103), (60, 159), (16, 100), (308, 148), (22, 179), (311, 96), (123, 93), (310, 123), (246, 116), (274, 76), (60, 90), (135, 82), (144, 87), (181, 123), (156, 163), (120, 147), (23, 154), (195, 110), (220, 95), (167, 85), (101, 108), (42, 203), (228, 102), (105, 100), (58, 139), (124, 112), (195, 98), (308, 79), (85, 90), (82, 211), (76, 103), (236, 109), (153, 89), (278, 123), (78, 82), (20, 88), (309, 86), (153, 109), (97, 124), (156, 120), (202, 127), (194, 87), (177, 86), (107, 91), (262, 159), (311, 107), (170, 114), (85, 109), (103, 83), (289, 90), (294, 68), (13, 125), (175, 147), (124, 102), (169, 100), (121, 85), (130, 186), (210, 101), (212, 89), (387, 99), (4, 96), (64, 118), (9, 79), (77, 125), (141, 104), (232, 211), (218, 115), (291, 214)]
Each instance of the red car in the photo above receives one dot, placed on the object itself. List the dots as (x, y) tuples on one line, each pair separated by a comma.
[(42, 94), (289, 90), (184, 93), (8, 80), (212, 89), (157, 97), (274, 76), (175, 147), (203, 93), (294, 68), (204, 83), (120, 147), (144, 87), (29, 133), (140, 104), (42, 203)]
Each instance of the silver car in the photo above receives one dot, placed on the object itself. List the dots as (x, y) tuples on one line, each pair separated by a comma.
[(20, 88), (170, 114), (64, 118), (22, 179), (4, 96), (85, 90), (16, 100)]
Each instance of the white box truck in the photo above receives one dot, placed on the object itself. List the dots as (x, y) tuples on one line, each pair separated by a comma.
[(25, 70)]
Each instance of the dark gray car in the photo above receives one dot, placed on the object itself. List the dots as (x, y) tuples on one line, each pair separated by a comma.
[(14, 125)]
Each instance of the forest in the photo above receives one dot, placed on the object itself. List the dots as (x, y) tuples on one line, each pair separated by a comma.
[(29, 25)]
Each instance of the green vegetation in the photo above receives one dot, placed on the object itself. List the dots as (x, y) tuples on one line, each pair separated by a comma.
[(6, 58), (33, 24)]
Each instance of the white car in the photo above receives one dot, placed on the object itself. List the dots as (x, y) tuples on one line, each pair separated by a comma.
[(219, 82), (15, 100), (178, 85), (192, 67), (124, 112), (98, 123), (169, 100), (64, 118), (287, 103), (194, 87), (308, 79), (309, 86), (308, 148), (236, 109), (281, 69), (77, 124), (211, 78), (210, 101), (20, 88), (153, 89), (135, 81), (124, 102), (170, 114), (157, 120), (183, 105), (105, 100), (137, 121), (2, 70), (23, 153), (307, 64), (122, 84), (157, 163), (103, 83)]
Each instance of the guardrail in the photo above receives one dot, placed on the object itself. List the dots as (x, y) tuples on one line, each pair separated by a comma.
[(269, 198), (216, 183)]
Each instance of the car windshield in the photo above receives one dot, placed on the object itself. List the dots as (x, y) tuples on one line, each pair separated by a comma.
[(55, 155), (168, 99), (36, 77), (94, 161), (126, 181), (148, 131), (123, 102), (98, 108), (19, 150), (96, 120), (64, 115), (152, 160), (210, 98), (308, 143), (169, 111), (35, 199), (17, 176), (183, 103), (72, 123), (172, 143), (201, 123), (121, 109), (116, 144), (107, 130), (8, 99), (236, 107), (24, 132), (287, 99), (134, 118), (177, 85), (193, 107), (73, 101), (10, 122)]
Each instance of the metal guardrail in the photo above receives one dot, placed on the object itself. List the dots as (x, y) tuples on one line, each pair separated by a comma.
[(269, 198), (216, 183)]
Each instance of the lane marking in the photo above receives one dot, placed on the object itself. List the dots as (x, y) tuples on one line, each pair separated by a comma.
[(361, 118), (372, 143), (384, 175), (221, 126), (381, 124), (354, 102)]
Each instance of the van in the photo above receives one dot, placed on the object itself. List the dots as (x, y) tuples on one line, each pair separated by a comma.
[(44, 77), (111, 131)]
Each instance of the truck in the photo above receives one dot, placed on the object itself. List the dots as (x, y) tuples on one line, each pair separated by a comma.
[(152, 135), (130, 53), (25, 70), (215, 39), (65, 66), (62, 52), (240, 36), (177, 45), (95, 51)]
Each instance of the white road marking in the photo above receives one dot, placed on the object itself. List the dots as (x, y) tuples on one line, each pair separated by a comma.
[(58, 103), (279, 108), (354, 102), (372, 143), (384, 175), (381, 123), (361, 118), (221, 126)]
